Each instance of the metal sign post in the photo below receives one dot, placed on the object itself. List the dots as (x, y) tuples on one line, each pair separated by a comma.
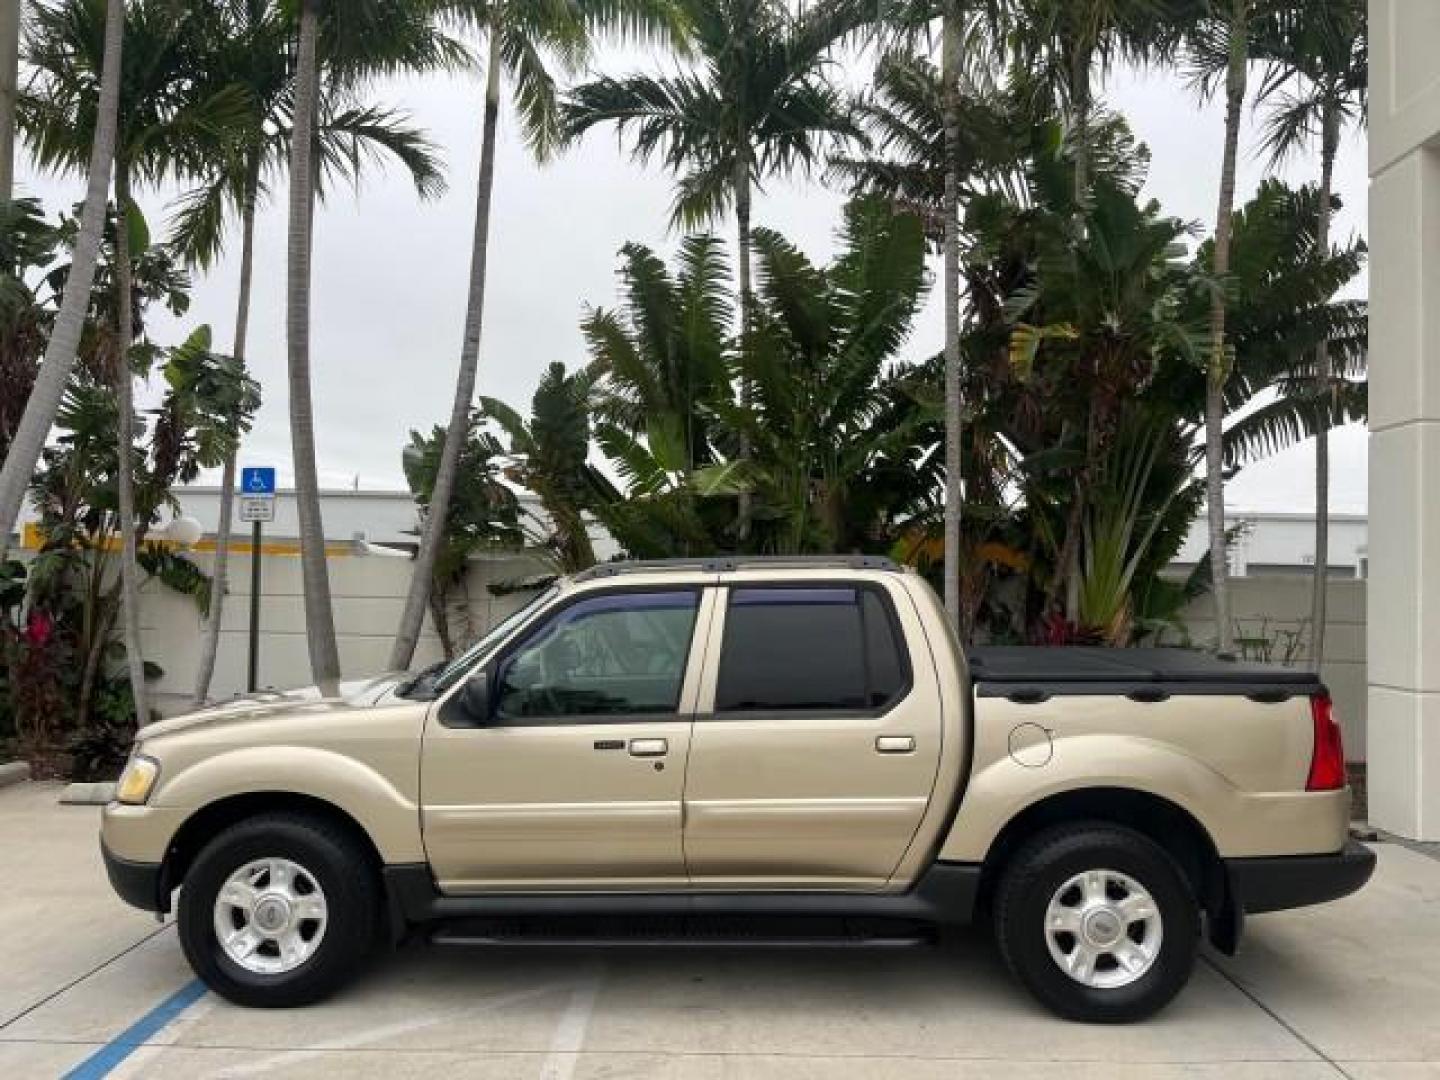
[(257, 505)]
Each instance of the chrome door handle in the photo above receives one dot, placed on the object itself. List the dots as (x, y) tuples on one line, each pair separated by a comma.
[(895, 744), (649, 747)]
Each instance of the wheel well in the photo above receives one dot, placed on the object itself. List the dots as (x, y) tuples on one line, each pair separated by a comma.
[(1168, 825), (210, 820)]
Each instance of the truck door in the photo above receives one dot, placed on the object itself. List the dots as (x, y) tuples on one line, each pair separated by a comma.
[(816, 741), (573, 780)]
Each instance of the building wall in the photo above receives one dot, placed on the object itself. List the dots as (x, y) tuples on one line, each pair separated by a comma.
[(1272, 609), (1404, 705), (369, 593), (1277, 542)]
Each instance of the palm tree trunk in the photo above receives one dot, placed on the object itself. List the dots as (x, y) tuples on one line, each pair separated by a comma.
[(1330, 141), (125, 472), (954, 415), (1080, 105), (319, 613), (458, 431), (54, 373), (210, 645), (742, 225), (1219, 360), (9, 86)]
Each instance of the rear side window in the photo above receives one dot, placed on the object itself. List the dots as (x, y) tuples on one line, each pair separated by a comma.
[(812, 648)]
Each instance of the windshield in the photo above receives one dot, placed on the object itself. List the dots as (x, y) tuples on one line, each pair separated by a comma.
[(443, 676)]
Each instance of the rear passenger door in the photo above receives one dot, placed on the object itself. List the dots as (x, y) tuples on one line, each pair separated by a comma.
[(815, 747)]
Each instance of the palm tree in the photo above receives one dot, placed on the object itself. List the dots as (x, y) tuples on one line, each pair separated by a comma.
[(28, 243), (1283, 310), (520, 35), (54, 376), (1221, 44), (168, 120), (970, 32), (251, 53), (1318, 83), (756, 105), (952, 41), (357, 38), (1062, 45), (9, 88)]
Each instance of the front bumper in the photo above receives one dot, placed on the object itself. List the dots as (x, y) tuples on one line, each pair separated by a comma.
[(139, 884), (1290, 881)]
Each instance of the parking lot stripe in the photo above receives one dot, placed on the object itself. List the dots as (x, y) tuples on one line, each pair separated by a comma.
[(104, 1061), (569, 1034)]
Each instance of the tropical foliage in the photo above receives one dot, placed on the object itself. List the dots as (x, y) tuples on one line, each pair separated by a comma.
[(67, 697)]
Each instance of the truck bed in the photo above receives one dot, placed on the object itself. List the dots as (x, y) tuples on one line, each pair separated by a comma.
[(1028, 671)]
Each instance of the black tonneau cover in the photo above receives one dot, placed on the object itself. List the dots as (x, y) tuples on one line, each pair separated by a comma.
[(1034, 671)]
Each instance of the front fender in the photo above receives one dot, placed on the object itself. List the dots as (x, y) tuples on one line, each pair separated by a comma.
[(391, 819), (1240, 823)]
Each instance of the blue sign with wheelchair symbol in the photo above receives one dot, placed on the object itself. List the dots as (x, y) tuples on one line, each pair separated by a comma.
[(257, 481)]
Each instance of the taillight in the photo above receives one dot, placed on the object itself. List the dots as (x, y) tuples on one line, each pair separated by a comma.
[(1327, 765)]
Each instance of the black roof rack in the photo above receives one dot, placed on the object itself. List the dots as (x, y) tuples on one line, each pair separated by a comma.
[(722, 564)]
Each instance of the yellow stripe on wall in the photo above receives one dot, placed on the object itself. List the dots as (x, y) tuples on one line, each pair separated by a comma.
[(32, 538)]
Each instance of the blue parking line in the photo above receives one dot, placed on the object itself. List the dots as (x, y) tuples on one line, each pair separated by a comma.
[(104, 1061)]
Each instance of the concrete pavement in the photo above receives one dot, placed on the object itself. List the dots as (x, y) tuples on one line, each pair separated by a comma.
[(1349, 989)]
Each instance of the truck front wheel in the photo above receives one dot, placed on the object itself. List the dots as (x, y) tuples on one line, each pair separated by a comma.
[(1098, 922), (278, 910)]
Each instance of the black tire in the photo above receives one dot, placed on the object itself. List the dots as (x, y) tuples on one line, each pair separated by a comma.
[(1045, 863), (341, 867)]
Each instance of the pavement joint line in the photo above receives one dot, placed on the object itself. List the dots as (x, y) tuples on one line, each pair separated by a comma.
[(1429, 848), (364, 1040), (81, 978), (1291, 1028), (112, 1055), (451, 1051)]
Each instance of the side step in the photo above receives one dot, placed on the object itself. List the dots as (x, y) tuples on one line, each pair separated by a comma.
[(683, 932)]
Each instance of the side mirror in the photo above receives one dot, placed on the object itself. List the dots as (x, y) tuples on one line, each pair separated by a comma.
[(471, 706)]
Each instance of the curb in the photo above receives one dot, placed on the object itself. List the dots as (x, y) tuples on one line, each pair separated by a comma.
[(14, 772), (92, 794)]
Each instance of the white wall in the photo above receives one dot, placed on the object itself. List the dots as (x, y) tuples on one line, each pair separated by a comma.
[(1266, 606), (1404, 705), (368, 591)]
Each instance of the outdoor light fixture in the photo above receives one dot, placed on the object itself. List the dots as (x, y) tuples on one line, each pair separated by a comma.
[(184, 532)]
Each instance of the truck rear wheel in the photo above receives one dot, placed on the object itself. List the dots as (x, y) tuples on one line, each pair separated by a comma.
[(1098, 922), (278, 910)]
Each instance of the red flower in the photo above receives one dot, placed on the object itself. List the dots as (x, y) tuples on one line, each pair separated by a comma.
[(39, 628)]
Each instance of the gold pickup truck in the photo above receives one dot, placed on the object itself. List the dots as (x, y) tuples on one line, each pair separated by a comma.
[(745, 747)]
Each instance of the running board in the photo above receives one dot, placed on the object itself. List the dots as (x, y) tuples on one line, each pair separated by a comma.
[(680, 933), (945, 893)]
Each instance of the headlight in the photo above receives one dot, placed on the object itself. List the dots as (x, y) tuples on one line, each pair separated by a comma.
[(137, 780)]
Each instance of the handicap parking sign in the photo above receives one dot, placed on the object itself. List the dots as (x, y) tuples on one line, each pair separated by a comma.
[(257, 481)]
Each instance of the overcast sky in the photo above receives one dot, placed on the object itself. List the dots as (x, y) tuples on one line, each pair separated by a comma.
[(390, 275)]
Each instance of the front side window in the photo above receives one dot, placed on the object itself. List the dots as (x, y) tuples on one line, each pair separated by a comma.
[(615, 654), (811, 648)]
